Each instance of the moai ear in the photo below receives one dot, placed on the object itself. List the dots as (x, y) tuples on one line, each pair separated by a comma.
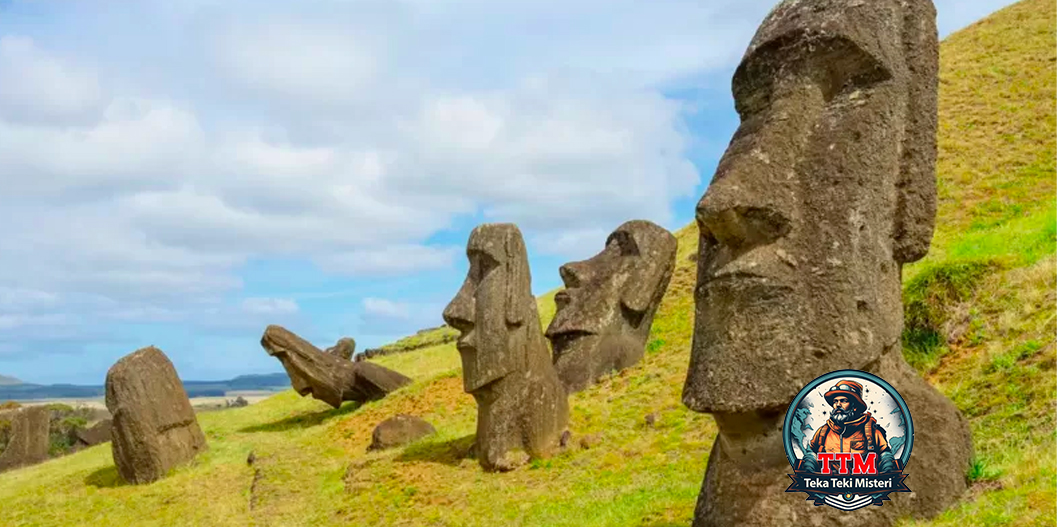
[(516, 277), (916, 187), (638, 294), (654, 277)]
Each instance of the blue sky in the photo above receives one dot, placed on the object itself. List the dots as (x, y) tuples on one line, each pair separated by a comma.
[(184, 173)]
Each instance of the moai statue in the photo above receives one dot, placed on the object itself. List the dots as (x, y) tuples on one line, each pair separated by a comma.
[(329, 377), (827, 188), (29, 437), (344, 348), (606, 309), (506, 365), (154, 427)]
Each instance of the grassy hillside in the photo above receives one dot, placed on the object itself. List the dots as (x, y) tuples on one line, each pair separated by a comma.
[(980, 319)]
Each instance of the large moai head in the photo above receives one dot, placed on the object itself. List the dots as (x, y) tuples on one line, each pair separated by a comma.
[(826, 189), (494, 311), (605, 312)]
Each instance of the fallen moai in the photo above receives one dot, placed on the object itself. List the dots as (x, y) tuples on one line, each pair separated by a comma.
[(605, 312), (154, 428), (328, 377), (505, 361), (344, 348), (826, 190), (29, 441)]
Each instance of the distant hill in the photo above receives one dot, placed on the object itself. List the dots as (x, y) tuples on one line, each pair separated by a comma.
[(19, 391), (8, 381)]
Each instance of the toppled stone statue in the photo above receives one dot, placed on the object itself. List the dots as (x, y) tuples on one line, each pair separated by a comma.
[(826, 189), (154, 427), (399, 430), (327, 377), (28, 444), (344, 348), (95, 434), (606, 310), (505, 362)]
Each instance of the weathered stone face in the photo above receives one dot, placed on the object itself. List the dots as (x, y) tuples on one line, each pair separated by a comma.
[(328, 377), (494, 308), (506, 363), (154, 427), (606, 310), (827, 187), (29, 437)]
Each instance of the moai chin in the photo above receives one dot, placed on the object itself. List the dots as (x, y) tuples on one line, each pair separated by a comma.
[(606, 310), (505, 361), (826, 189)]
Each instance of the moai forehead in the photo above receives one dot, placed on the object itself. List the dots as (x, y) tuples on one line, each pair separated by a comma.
[(852, 44)]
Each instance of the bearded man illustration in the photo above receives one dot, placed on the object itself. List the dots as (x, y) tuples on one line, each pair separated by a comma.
[(850, 429)]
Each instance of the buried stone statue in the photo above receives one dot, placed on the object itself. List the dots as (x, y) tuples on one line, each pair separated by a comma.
[(154, 428), (826, 189), (29, 442), (506, 365), (606, 310), (329, 377)]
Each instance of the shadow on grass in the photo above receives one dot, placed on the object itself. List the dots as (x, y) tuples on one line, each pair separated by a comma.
[(302, 420), (450, 452), (106, 477)]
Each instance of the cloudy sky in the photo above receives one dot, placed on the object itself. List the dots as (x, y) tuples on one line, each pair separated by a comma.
[(182, 173)]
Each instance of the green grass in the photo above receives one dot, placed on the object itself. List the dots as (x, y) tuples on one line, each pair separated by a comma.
[(980, 318)]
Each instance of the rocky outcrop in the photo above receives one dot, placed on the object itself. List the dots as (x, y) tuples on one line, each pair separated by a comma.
[(399, 430), (95, 434)]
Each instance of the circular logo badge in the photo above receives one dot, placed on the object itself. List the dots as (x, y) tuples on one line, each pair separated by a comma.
[(848, 436)]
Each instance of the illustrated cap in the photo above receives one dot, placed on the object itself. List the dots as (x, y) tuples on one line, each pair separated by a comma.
[(850, 389)]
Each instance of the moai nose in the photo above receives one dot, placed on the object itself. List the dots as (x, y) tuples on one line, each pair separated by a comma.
[(459, 313), (574, 274), (738, 215)]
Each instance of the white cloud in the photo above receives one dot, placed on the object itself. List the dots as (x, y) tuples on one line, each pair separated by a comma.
[(269, 306), (381, 307), (137, 144), (382, 316), (576, 245), (17, 298), (41, 88), (392, 260), (300, 61)]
